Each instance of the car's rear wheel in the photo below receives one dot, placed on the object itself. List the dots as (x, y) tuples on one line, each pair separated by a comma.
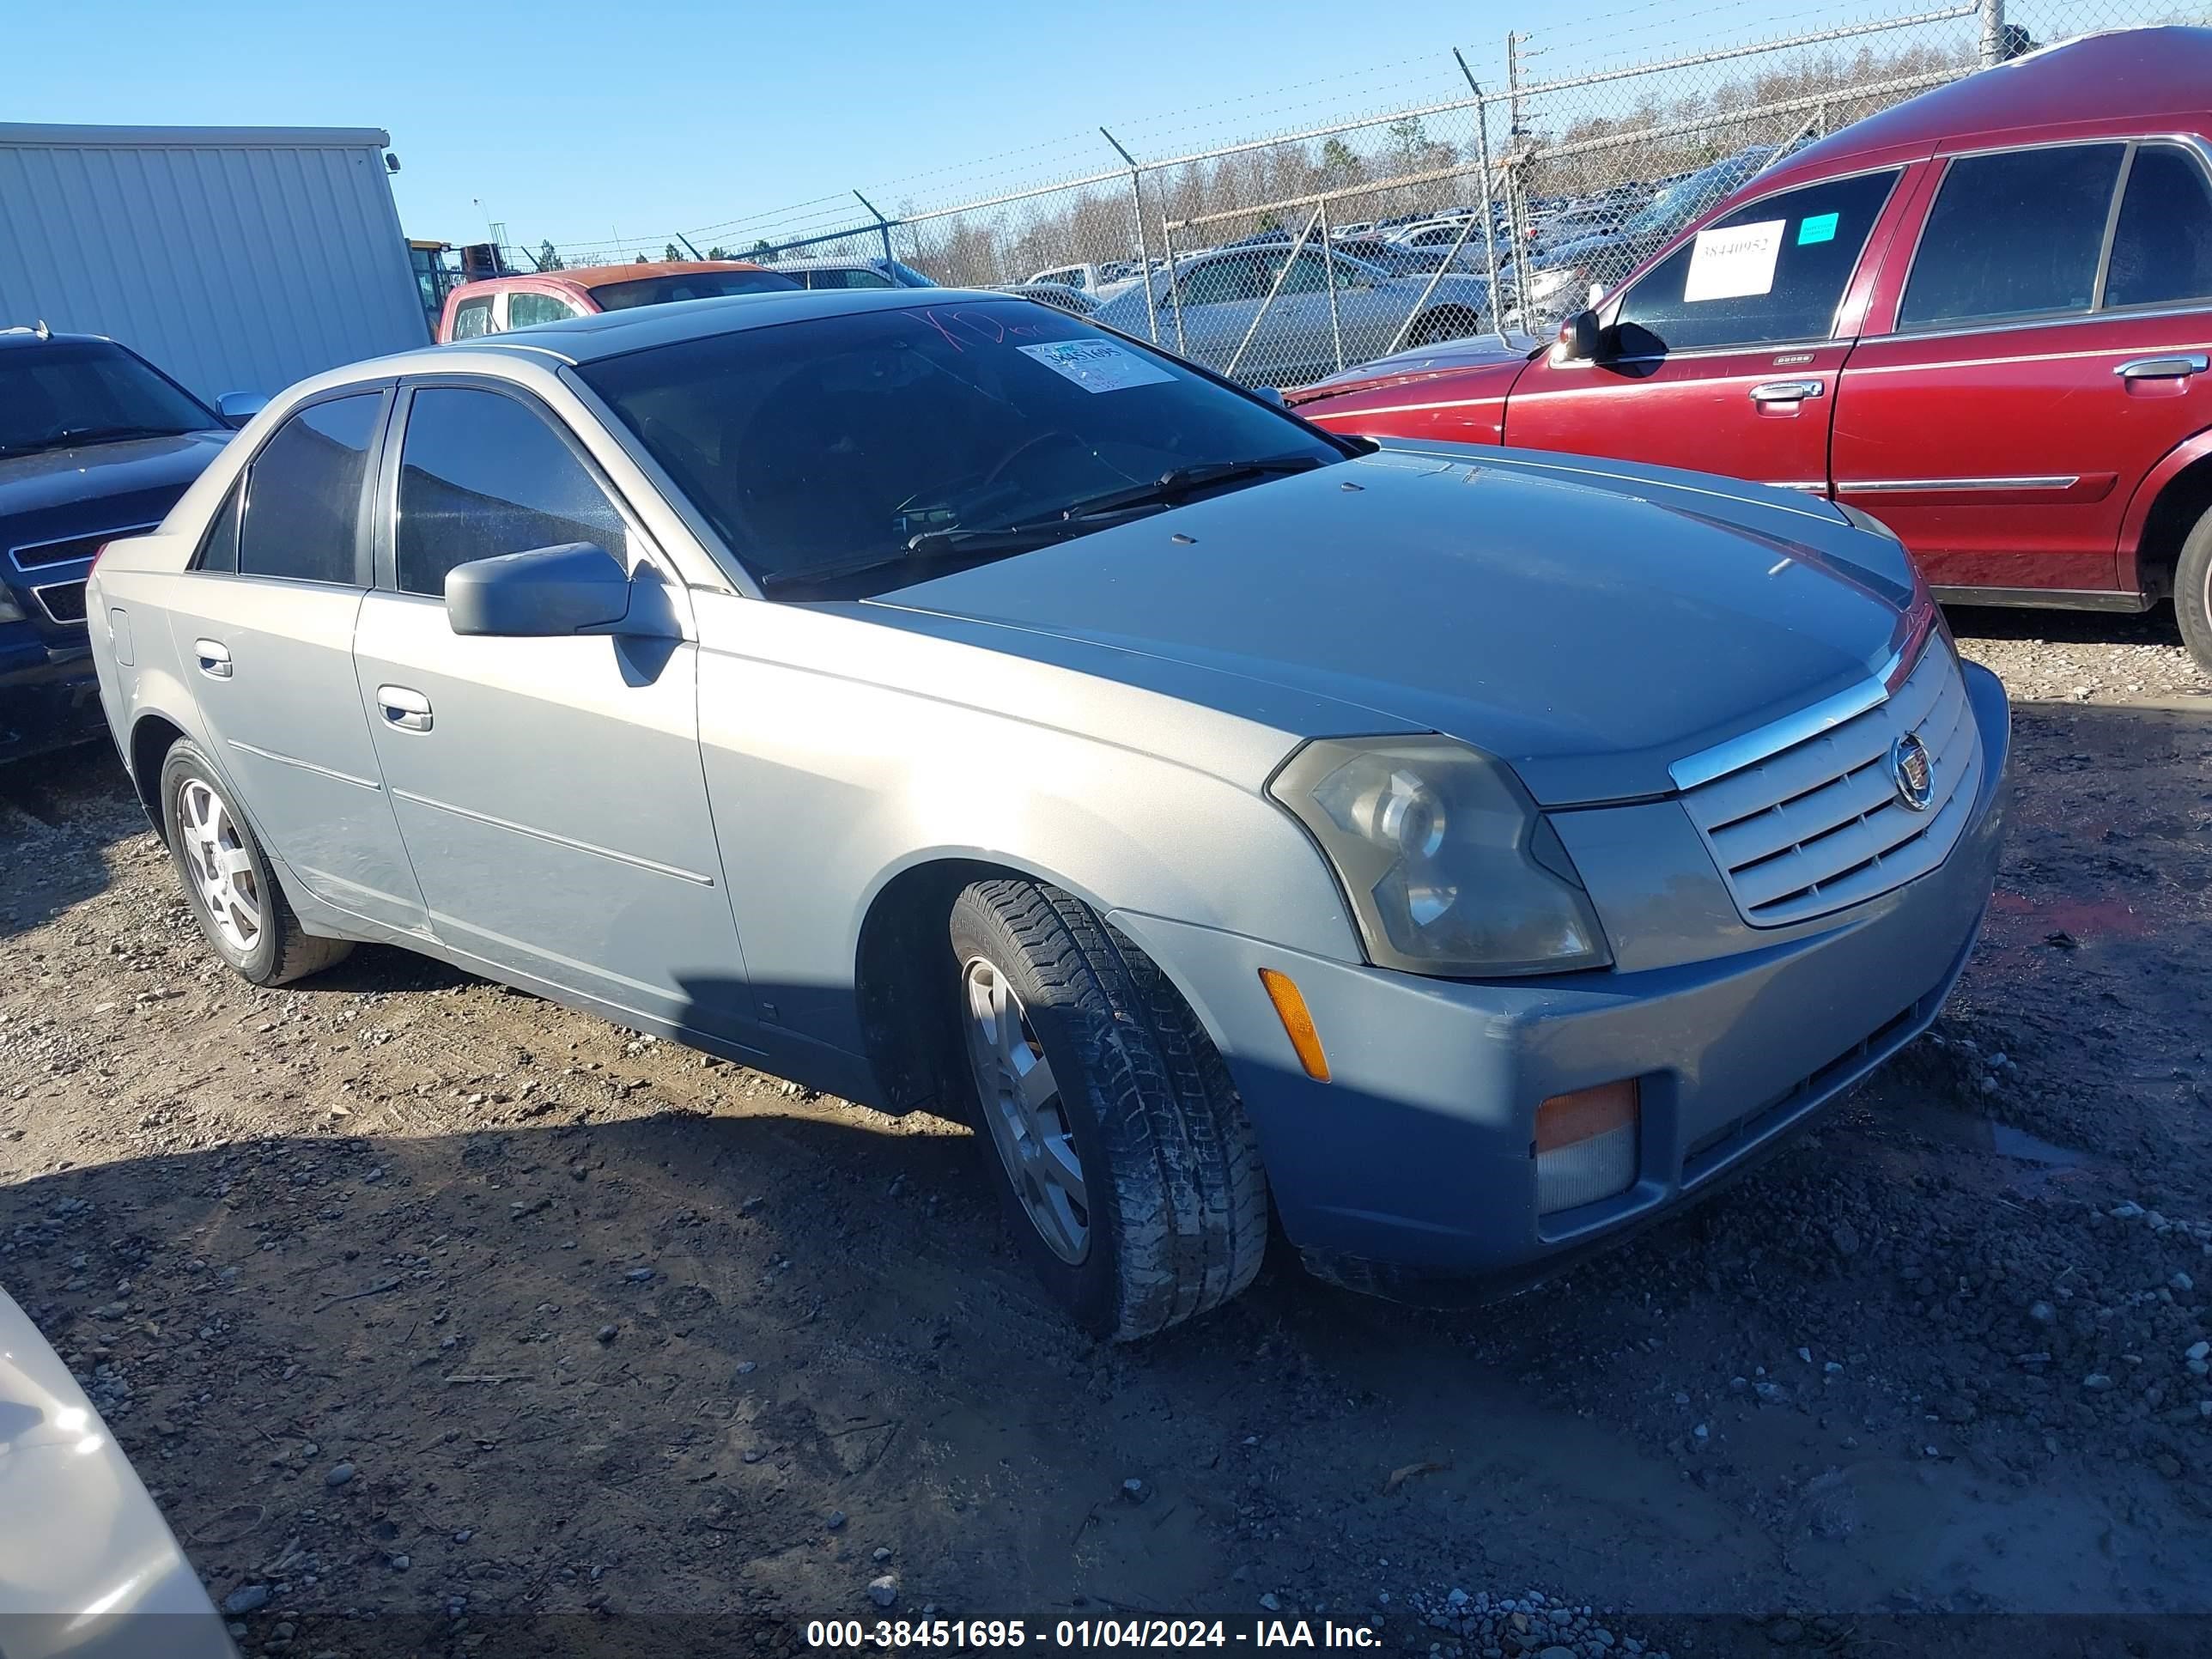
[(240, 909), (1129, 1172), (2192, 592), (1444, 323)]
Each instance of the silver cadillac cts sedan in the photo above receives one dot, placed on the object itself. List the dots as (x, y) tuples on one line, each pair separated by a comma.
[(947, 703)]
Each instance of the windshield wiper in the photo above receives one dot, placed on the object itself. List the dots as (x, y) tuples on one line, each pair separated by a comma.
[(1178, 482)]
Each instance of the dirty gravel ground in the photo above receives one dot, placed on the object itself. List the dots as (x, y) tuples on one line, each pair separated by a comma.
[(409, 1295)]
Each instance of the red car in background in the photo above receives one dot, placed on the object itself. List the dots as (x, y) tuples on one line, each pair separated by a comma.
[(499, 303), (1983, 317)]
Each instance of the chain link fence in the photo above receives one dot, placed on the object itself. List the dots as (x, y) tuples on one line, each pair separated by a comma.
[(1468, 204)]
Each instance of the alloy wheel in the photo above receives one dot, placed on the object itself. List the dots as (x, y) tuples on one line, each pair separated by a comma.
[(1022, 1108), (221, 869)]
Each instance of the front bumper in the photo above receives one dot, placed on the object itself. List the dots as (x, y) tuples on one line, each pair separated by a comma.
[(1415, 1161), (49, 699)]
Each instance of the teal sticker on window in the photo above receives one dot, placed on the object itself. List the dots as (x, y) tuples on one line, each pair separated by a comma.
[(1817, 228)]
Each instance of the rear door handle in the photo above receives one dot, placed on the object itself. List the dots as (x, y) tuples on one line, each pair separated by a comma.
[(214, 658), (2178, 367), (1786, 391), (407, 709)]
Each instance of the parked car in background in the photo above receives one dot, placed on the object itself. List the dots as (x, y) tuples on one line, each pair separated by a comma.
[(1097, 282), (92, 1569), (1303, 332), (1358, 850), (96, 443), (1073, 300), (852, 273), (1983, 317), (496, 304)]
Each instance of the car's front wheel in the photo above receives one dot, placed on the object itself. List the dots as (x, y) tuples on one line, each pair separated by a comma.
[(237, 902), (2192, 593), (1129, 1172)]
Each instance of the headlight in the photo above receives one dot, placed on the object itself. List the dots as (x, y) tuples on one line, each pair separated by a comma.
[(1546, 283), (1449, 866)]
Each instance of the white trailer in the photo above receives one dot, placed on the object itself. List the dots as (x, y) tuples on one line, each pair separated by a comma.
[(236, 259)]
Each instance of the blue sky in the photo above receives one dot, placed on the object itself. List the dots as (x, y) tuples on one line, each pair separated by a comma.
[(579, 122)]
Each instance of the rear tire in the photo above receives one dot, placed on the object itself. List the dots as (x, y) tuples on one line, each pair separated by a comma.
[(2192, 592), (1445, 323), (240, 909), (1129, 1172)]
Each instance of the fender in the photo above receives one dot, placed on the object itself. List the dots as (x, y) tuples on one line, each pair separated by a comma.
[(2177, 459)]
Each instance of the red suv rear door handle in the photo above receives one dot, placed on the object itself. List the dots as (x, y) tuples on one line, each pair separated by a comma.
[(2178, 367), (1786, 391)]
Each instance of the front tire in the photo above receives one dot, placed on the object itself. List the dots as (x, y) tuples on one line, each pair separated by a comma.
[(1445, 323), (2192, 592), (240, 909), (1130, 1173)]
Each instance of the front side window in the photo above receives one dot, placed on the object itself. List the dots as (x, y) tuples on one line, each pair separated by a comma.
[(1773, 271), (472, 318), (480, 475), (303, 493), (56, 393), (1224, 281), (2016, 233), (525, 307), (870, 444), (2162, 246)]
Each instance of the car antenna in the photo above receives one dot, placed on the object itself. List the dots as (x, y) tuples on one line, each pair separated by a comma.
[(42, 330)]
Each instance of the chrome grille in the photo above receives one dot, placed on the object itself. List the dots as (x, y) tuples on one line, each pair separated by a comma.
[(62, 602), (1820, 825)]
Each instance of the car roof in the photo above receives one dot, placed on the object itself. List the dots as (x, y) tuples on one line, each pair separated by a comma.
[(23, 334), (596, 275), (2125, 76)]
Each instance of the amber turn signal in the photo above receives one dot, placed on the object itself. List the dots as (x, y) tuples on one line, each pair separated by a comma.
[(1297, 1023)]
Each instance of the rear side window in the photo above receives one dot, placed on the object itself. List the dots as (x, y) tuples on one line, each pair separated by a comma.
[(2014, 234), (525, 308), (472, 318), (1773, 271), (480, 475), (2162, 249), (303, 493)]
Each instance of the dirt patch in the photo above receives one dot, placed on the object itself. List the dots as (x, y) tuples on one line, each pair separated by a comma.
[(413, 1296)]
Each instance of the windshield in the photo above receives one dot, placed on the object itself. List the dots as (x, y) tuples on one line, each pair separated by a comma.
[(688, 285), (820, 447), (59, 392)]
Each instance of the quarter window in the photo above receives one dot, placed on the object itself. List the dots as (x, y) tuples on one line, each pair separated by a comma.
[(2162, 249), (2017, 233), (219, 548), (472, 318), (1780, 278), (303, 493), (480, 475), (525, 308)]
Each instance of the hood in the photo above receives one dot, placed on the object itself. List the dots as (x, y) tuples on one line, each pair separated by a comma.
[(65, 492), (1588, 626), (1509, 351)]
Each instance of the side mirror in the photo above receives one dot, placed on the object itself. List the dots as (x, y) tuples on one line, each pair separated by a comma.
[(542, 593), (1581, 337), (237, 408)]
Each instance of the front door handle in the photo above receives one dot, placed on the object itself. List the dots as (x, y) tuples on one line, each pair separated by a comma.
[(2179, 366), (408, 710), (1786, 391), (214, 658)]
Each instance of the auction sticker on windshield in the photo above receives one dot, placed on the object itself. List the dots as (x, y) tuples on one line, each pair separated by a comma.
[(1095, 365), (1734, 262)]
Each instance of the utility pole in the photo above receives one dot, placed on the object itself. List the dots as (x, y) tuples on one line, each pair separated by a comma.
[(1993, 32)]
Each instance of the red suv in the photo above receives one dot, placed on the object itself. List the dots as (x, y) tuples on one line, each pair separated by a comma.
[(1983, 317)]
